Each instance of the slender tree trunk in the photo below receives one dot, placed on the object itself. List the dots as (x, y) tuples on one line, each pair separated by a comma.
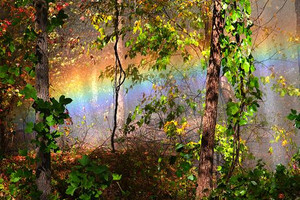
[(121, 51), (43, 171), (119, 111), (205, 173)]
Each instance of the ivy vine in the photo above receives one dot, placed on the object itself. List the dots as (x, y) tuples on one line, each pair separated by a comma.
[(238, 67)]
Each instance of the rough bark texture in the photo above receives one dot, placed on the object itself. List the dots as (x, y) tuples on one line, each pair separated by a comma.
[(43, 172), (205, 173)]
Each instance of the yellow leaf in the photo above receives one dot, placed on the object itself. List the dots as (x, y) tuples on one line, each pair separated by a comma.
[(284, 143), (270, 150), (277, 138), (109, 18)]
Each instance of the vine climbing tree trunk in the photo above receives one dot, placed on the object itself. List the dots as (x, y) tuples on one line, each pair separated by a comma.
[(121, 52), (43, 171), (205, 172), (120, 76)]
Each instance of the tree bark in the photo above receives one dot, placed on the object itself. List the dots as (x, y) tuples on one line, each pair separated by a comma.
[(205, 172), (43, 171)]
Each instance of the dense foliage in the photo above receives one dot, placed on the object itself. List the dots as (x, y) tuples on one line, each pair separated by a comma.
[(156, 149)]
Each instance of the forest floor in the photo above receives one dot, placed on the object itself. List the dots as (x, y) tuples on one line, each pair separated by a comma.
[(146, 173)]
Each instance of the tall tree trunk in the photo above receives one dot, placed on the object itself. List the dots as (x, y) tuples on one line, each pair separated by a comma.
[(205, 173), (43, 172)]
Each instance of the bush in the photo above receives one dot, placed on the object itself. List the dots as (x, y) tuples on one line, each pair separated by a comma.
[(260, 183), (88, 180)]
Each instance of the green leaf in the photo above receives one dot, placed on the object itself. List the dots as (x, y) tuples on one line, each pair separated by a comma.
[(235, 16), (10, 80), (98, 169), (23, 152), (12, 47), (178, 173), (185, 166), (29, 127), (106, 176), (29, 92), (159, 160), (57, 20), (63, 100), (39, 127), (297, 124), (232, 108), (243, 192), (248, 8), (85, 197), (246, 66), (179, 147), (50, 120), (3, 71), (71, 189), (191, 177), (84, 160), (73, 178), (116, 177), (15, 177), (253, 183), (243, 122), (291, 116)]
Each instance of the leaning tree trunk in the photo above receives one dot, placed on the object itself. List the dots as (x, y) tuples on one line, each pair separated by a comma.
[(205, 173), (43, 171)]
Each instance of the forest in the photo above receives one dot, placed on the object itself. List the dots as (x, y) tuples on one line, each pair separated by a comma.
[(149, 99)]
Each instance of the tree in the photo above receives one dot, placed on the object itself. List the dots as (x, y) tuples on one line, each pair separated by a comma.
[(43, 171), (15, 64), (205, 172), (119, 76)]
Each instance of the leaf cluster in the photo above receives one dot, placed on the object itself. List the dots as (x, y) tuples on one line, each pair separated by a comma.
[(88, 179), (51, 113)]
